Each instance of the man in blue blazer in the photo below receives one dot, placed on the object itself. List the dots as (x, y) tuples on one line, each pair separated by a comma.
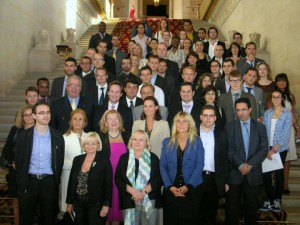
[(248, 147)]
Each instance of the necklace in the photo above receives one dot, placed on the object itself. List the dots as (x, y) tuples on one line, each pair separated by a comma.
[(114, 136)]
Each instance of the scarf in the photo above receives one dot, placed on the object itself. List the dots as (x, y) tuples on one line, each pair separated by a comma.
[(139, 183)]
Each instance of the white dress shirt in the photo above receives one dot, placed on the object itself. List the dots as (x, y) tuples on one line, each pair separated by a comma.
[(158, 94), (208, 141)]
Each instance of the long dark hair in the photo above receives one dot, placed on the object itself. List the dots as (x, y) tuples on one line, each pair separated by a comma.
[(157, 115), (287, 92)]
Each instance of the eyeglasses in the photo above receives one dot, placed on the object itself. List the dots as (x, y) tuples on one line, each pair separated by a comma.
[(74, 85), (27, 115), (44, 113), (276, 97), (235, 81)]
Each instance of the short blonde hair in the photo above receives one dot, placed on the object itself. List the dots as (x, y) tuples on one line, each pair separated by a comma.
[(92, 135), (192, 132), (73, 113), (102, 123), (148, 144)]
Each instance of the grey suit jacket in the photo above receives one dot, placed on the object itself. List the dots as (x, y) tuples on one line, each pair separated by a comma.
[(257, 152), (137, 112), (225, 101), (120, 56), (242, 65), (259, 97), (159, 132)]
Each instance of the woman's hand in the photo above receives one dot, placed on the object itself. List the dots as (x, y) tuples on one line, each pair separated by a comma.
[(269, 156), (177, 192), (104, 211), (137, 195), (69, 208)]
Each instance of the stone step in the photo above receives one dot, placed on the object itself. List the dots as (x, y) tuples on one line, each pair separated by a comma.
[(292, 200), (293, 214), (294, 184)]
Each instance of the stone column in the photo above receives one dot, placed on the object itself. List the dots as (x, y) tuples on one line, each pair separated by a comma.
[(111, 2)]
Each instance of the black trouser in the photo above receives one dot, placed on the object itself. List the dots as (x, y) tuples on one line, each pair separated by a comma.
[(274, 190), (181, 210), (233, 203), (209, 200), (43, 192), (87, 213)]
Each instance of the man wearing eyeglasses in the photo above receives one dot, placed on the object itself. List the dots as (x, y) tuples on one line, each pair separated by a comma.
[(86, 67), (39, 160), (59, 84), (62, 107), (227, 101), (214, 173)]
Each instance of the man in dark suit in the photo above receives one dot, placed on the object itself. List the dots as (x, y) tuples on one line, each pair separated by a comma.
[(227, 101), (101, 35), (157, 80), (210, 45), (114, 95), (238, 38), (186, 104), (249, 79), (116, 53), (99, 62), (130, 99), (126, 74), (250, 60), (248, 147), (223, 85), (59, 84), (39, 160), (190, 33), (43, 86), (86, 65), (97, 92), (219, 55), (89, 53), (214, 174), (110, 63), (173, 69), (62, 107)]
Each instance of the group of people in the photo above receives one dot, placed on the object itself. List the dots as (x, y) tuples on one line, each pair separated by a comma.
[(152, 136)]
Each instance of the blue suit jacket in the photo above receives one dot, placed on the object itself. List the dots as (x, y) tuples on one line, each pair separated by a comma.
[(192, 166)]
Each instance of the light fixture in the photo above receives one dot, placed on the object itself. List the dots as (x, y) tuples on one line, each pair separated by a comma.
[(156, 3)]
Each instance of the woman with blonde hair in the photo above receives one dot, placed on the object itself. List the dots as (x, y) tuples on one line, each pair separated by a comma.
[(139, 182), (181, 167), (135, 62), (137, 50), (73, 138), (90, 183), (23, 121), (114, 143)]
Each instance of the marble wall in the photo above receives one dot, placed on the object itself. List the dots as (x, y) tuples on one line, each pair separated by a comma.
[(278, 23)]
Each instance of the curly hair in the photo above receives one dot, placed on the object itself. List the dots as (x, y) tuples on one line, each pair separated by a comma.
[(103, 124)]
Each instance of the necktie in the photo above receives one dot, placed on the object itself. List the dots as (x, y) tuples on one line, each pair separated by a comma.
[(112, 106), (249, 90), (101, 99), (73, 104), (102, 36), (252, 63), (246, 136), (236, 96), (131, 104), (186, 108), (114, 54)]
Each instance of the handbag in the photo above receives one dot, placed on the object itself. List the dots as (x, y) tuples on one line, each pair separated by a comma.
[(69, 219)]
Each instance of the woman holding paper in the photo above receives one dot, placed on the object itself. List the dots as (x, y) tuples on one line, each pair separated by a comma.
[(278, 121)]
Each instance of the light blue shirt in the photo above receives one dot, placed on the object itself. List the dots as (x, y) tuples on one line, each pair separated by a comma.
[(246, 89), (40, 161), (76, 100), (153, 79)]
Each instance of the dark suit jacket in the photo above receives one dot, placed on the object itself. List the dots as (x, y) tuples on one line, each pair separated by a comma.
[(105, 143), (195, 112), (120, 55), (162, 83), (258, 150), (242, 52), (173, 70), (125, 112), (125, 200), (92, 94), (91, 80), (110, 64), (58, 85), (221, 86), (61, 110), (123, 101), (206, 46), (96, 38), (225, 101), (23, 152), (99, 182), (242, 65)]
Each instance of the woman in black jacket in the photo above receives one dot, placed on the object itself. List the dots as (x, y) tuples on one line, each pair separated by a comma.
[(138, 181), (90, 184)]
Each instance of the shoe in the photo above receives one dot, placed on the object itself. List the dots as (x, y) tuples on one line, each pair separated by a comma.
[(266, 206), (286, 191), (276, 206)]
